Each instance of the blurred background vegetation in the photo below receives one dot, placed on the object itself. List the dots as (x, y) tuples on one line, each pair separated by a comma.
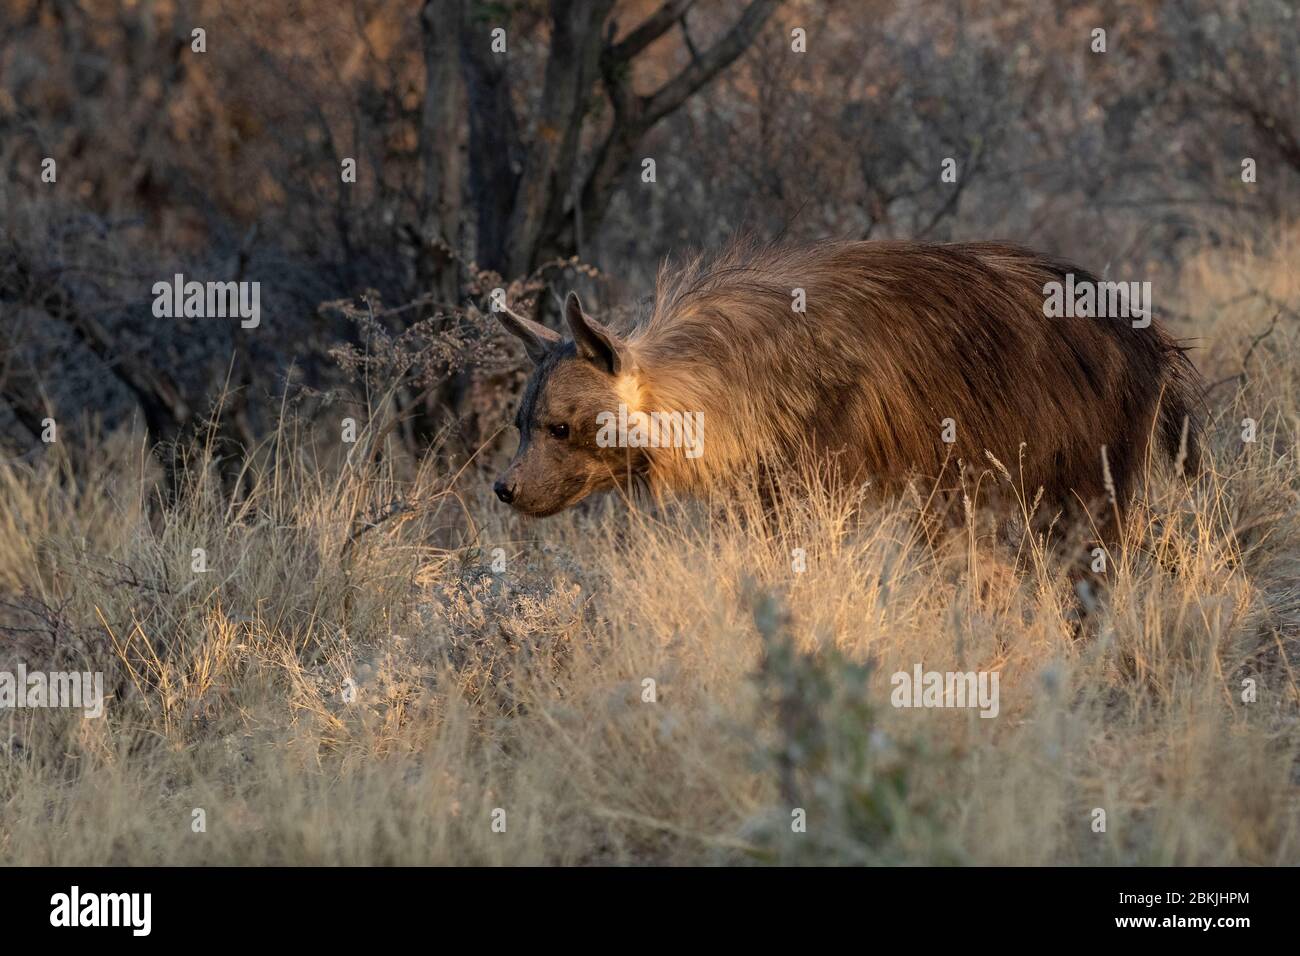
[(522, 170)]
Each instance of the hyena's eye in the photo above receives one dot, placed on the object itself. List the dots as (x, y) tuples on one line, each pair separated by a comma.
[(560, 431)]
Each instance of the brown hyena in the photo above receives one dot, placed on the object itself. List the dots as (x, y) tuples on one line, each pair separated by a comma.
[(897, 359)]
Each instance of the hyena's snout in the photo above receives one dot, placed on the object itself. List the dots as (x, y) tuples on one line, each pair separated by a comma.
[(537, 491), (505, 488), (516, 486), (513, 486)]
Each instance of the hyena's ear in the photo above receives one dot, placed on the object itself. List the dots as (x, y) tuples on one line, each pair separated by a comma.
[(537, 338), (596, 343)]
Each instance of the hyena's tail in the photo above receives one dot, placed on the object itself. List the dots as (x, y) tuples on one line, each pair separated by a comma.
[(1180, 420)]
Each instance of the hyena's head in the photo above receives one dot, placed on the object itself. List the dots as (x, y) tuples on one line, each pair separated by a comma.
[(560, 461)]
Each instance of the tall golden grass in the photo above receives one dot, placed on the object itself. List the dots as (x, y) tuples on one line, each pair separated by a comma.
[(524, 690)]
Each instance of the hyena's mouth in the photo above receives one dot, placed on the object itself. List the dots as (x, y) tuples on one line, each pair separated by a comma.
[(545, 512), (590, 484)]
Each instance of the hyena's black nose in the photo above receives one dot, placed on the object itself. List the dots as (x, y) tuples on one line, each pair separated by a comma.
[(505, 492)]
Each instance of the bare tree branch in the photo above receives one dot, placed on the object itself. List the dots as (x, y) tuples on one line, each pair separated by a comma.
[(576, 45), (651, 29), (531, 196), (710, 63), (635, 115), (495, 149), (440, 24)]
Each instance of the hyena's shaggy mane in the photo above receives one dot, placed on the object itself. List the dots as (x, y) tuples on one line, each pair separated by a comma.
[(897, 337)]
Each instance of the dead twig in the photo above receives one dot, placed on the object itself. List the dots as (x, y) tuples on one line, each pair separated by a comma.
[(1242, 376)]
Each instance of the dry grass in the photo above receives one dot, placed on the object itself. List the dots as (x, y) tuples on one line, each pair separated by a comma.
[(523, 689)]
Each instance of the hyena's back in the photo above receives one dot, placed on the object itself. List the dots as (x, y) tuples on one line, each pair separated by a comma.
[(898, 337)]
